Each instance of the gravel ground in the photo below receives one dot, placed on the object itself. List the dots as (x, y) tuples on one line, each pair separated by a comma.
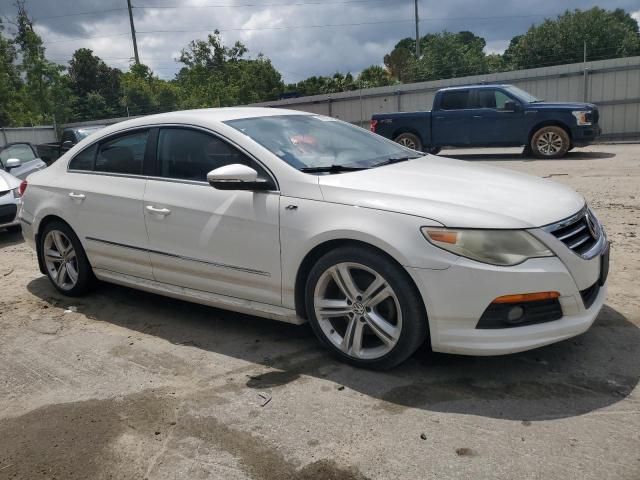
[(123, 384)]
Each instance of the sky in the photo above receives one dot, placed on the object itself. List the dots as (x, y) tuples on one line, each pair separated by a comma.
[(301, 37)]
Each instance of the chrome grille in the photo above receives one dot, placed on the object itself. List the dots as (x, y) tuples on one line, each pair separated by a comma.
[(579, 233)]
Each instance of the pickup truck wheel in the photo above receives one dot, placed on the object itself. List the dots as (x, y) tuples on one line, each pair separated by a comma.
[(409, 140), (550, 142)]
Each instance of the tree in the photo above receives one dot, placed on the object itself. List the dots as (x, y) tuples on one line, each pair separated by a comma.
[(217, 75), (41, 76), (608, 34), (374, 76), (10, 83)]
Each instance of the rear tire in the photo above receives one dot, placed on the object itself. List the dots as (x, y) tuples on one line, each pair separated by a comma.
[(65, 260), (409, 140), (365, 308), (550, 142)]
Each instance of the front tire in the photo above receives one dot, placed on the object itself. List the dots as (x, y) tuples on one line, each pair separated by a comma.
[(65, 260), (409, 140), (365, 308), (550, 142)]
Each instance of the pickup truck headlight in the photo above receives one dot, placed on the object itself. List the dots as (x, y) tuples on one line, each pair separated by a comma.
[(583, 117), (496, 247)]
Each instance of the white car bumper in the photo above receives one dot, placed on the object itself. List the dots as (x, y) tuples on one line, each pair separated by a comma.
[(457, 297), (9, 210)]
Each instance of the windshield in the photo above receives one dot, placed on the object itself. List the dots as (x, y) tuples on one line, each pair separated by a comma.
[(313, 141), (521, 94), (85, 132)]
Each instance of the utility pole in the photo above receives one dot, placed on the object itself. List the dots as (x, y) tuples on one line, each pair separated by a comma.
[(133, 34), (584, 66), (417, 30)]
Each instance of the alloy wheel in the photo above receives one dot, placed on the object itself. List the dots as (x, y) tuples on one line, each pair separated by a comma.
[(60, 259), (549, 143), (407, 142), (357, 310)]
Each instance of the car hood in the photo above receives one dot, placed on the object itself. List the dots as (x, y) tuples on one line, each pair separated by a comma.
[(562, 106), (8, 181), (455, 193)]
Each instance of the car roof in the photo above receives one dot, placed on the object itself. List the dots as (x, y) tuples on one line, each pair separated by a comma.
[(201, 116), (466, 87)]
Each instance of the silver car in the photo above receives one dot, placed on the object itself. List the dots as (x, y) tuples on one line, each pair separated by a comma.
[(10, 201), (20, 159)]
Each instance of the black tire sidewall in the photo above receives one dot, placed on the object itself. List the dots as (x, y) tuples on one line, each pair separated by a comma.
[(566, 142), (414, 138), (86, 278), (414, 319)]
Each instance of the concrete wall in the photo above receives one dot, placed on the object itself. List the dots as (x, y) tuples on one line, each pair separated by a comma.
[(35, 135), (614, 85)]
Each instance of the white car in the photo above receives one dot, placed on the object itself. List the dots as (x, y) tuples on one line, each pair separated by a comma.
[(299, 217), (10, 201)]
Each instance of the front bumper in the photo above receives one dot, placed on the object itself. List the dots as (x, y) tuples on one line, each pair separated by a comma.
[(9, 211), (456, 298), (584, 135)]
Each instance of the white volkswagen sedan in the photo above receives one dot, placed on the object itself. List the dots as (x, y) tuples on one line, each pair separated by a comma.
[(299, 217)]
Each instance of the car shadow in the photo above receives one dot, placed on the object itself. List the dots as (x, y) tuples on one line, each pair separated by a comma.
[(9, 238), (512, 156), (574, 377)]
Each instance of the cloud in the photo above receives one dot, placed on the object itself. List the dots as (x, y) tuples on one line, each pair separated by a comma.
[(321, 48)]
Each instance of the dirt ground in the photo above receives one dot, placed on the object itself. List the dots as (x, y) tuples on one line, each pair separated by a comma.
[(122, 384)]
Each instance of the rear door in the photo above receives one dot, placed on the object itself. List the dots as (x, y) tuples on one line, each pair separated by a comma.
[(491, 124), (219, 241), (451, 122), (104, 192)]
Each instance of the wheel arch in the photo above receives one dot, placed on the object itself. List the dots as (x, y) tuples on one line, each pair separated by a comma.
[(46, 220), (549, 123), (326, 246), (412, 130)]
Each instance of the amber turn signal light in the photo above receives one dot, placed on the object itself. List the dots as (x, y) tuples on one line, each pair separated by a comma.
[(527, 297)]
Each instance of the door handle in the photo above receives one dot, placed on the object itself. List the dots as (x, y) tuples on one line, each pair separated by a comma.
[(163, 212), (477, 116), (77, 196)]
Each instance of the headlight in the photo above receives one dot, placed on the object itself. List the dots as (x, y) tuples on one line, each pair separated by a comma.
[(496, 247), (582, 117)]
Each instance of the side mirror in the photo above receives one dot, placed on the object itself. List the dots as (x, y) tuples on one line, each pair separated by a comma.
[(509, 106), (67, 144), (13, 163), (236, 177)]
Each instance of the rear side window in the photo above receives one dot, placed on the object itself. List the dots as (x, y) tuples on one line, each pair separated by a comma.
[(454, 100), (84, 160), (123, 154), (190, 154)]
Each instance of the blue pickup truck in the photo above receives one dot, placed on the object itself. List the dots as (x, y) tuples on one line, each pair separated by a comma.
[(492, 116)]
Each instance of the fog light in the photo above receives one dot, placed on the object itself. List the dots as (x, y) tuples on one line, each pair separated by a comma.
[(515, 314)]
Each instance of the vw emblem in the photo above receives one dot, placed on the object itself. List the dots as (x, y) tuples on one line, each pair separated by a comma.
[(358, 308), (592, 223)]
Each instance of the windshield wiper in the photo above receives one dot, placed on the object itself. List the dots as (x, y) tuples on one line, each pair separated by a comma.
[(331, 169), (391, 160)]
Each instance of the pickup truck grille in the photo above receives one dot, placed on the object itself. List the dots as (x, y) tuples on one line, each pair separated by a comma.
[(579, 233)]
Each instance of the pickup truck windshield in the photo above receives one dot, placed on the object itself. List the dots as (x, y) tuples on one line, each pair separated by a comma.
[(526, 97), (318, 144)]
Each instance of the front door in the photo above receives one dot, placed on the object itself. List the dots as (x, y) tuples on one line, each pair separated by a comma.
[(220, 241), (491, 123)]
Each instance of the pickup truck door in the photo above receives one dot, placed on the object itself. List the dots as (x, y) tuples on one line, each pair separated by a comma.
[(491, 123), (451, 119)]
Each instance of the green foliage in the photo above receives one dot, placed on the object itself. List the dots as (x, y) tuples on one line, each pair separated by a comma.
[(608, 34), (34, 90)]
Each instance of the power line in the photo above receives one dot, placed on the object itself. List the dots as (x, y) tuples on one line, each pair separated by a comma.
[(299, 4), (94, 12)]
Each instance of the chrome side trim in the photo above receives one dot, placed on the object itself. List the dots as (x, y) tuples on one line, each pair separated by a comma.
[(265, 310), (181, 257)]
